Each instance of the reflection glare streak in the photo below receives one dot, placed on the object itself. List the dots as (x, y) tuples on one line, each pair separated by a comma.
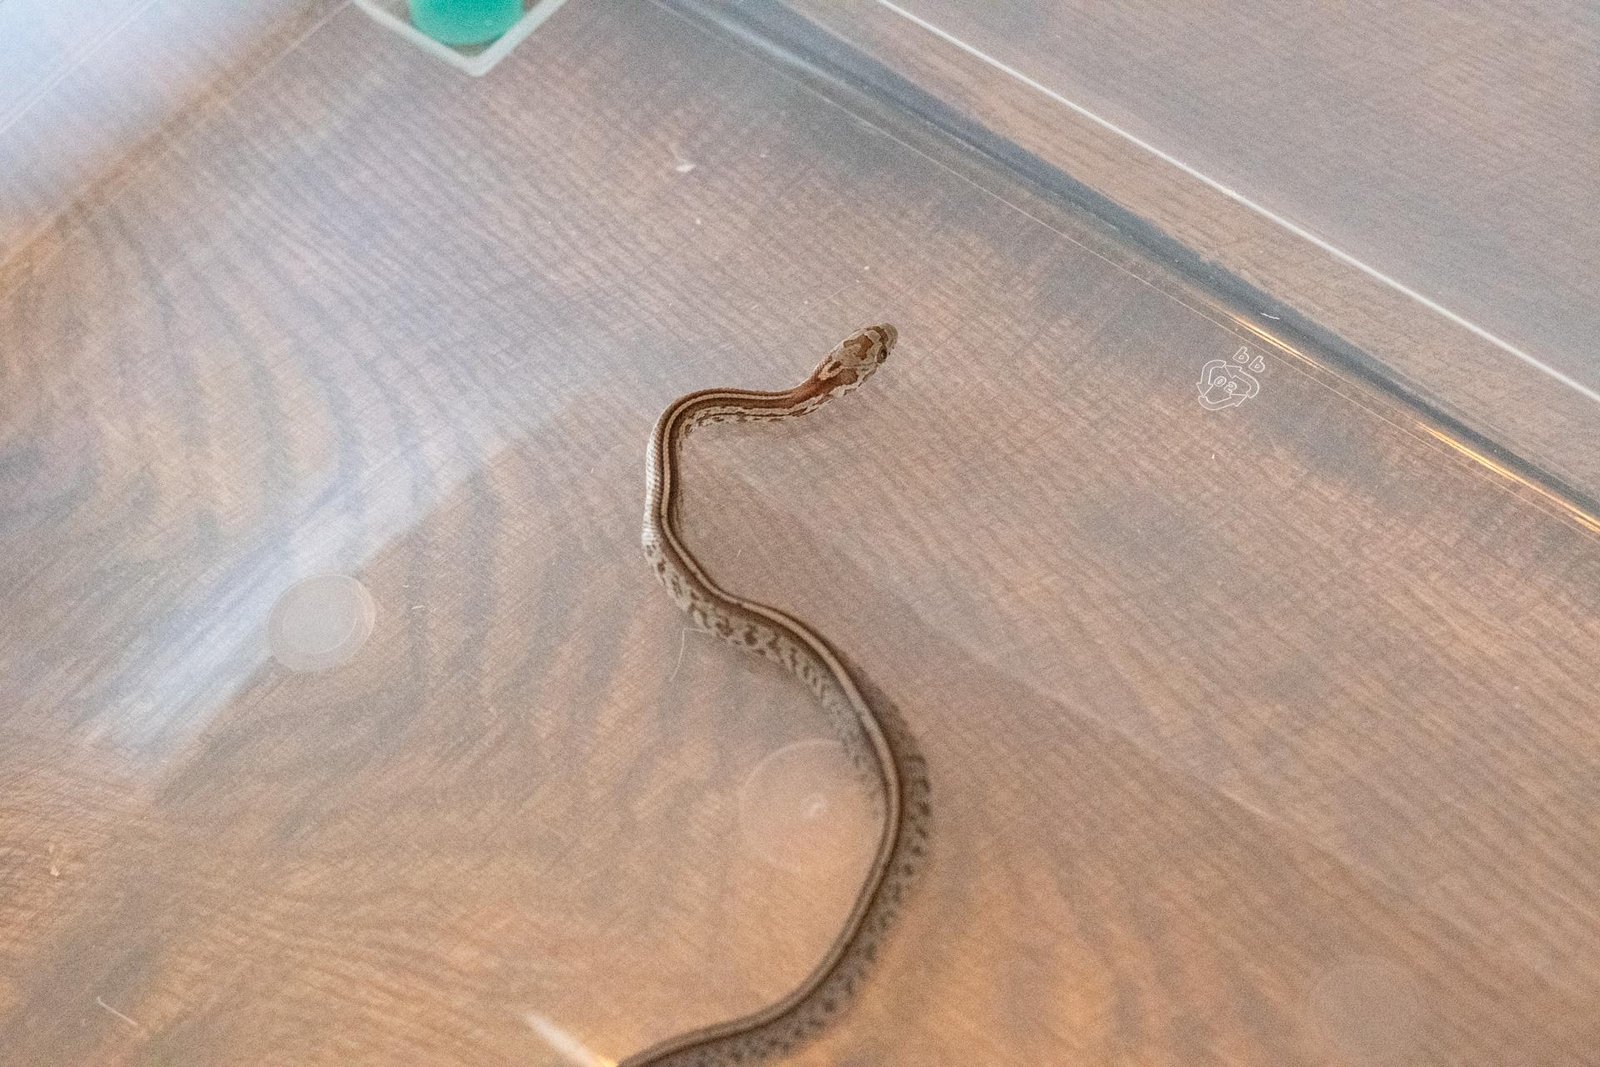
[(571, 1048)]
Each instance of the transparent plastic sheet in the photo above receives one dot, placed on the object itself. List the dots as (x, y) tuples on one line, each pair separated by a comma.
[(1453, 150), (86, 90), (1408, 186), (1257, 727)]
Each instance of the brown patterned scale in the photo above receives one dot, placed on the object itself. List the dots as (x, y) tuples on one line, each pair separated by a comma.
[(878, 743)]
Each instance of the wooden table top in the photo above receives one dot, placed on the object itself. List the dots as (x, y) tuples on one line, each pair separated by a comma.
[(1258, 735)]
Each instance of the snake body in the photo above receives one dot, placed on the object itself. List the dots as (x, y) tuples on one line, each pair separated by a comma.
[(879, 746)]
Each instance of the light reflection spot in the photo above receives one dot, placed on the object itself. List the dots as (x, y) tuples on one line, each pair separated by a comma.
[(321, 622), (804, 809)]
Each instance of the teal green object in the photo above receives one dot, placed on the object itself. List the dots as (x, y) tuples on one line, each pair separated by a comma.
[(465, 21)]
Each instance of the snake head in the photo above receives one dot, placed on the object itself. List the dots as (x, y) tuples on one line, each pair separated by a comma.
[(853, 360)]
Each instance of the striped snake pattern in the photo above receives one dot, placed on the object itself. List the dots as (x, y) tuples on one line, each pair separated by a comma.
[(879, 746)]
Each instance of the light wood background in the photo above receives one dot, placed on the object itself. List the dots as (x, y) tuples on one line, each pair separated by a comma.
[(1262, 736), (87, 90)]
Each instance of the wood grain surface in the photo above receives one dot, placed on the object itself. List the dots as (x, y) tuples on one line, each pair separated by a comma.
[(1456, 152), (1258, 736), (86, 91)]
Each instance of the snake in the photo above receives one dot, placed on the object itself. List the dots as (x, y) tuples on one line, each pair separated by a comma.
[(876, 740)]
